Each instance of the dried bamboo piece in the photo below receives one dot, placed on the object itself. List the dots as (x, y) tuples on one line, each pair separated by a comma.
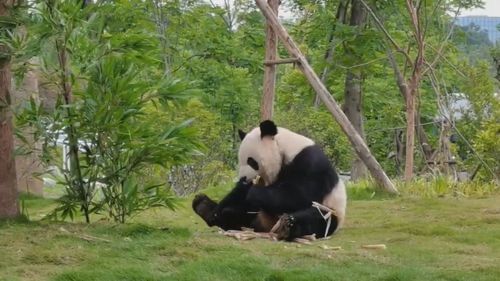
[(374, 247), (335, 248)]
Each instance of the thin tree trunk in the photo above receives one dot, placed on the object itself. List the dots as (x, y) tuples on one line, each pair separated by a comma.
[(28, 166), (410, 115), (410, 136), (413, 89), (266, 109), (9, 207), (404, 91), (353, 110), (422, 137), (161, 27), (353, 92), (339, 18), (357, 142), (399, 157)]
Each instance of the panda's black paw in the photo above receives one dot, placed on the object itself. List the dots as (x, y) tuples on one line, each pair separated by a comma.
[(283, 227), (244, 184), (205, 208)]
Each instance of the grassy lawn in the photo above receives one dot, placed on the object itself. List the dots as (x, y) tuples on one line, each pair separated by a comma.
[(427, 239)]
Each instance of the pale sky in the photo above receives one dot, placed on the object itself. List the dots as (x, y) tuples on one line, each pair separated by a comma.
[(491, 8)]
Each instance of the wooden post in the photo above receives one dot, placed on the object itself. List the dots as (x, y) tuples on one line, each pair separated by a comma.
[(357, 142), (266, 109), (280, 61)]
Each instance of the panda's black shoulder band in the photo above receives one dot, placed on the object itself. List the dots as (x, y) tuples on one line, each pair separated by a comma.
[(268, 128)]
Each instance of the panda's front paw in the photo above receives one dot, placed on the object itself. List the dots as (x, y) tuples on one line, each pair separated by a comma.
[(244, 183)]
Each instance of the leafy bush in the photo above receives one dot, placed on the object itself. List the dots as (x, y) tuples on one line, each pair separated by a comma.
[(443, 186), (118, 140), (423, 188), (211, 167)]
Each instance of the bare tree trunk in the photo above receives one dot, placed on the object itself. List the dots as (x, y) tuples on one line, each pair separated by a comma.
[(399, 157), (266, 109), (404, 91), (422, 137), (410, 136), (353, 110), (161, 27), (413, 89), (357, 142), (9, 207), (353, 93), (28, 165), (339, 18)]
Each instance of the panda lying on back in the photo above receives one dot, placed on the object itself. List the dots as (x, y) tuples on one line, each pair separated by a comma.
[(294, 172)]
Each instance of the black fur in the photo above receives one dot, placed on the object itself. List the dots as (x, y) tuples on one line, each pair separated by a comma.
[(231, 213), (306, 222), (268, 128), (252, 163), (234, 211), (309, 177)]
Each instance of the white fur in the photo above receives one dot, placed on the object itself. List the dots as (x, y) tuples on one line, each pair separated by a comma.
[(263, 150), (337, 200), (269, 152), (291, 143)]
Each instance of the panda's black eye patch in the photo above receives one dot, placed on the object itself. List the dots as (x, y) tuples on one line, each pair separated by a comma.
[(252, 163)]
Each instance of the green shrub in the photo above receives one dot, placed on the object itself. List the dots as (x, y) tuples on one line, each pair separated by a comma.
[(442, 186)]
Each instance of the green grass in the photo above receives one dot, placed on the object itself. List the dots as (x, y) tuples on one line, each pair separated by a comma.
[(427, 239)]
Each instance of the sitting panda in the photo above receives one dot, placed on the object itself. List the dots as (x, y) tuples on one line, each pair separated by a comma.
[(293, 173)]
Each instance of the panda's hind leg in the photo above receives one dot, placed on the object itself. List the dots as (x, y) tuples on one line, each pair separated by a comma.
[(232, 212), (305, 222)]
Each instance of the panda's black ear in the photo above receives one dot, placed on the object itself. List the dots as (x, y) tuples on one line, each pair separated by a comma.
[(241, 134), (268, 128)]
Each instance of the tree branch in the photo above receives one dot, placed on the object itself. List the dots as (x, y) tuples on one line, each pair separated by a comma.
[(440, 50), (384, 30), (434, 83)]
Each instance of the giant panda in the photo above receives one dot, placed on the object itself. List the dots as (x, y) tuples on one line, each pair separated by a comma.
[(293, 173)]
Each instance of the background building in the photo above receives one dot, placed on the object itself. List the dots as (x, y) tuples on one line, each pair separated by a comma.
[(488, 24)]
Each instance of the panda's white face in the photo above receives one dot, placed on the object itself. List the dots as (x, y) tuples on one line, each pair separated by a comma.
[(265, 149), (259, 156)]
